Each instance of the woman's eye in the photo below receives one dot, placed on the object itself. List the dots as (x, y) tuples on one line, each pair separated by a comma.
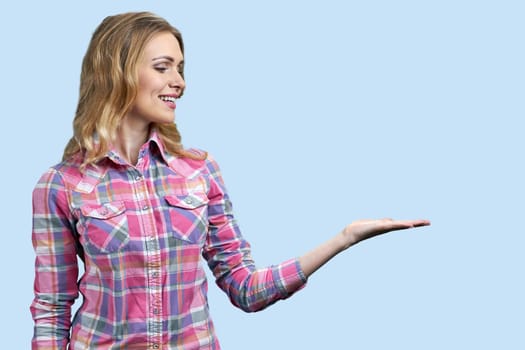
[(161, 69)]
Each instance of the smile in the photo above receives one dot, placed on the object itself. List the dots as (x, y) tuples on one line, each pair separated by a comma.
[(167, 98)]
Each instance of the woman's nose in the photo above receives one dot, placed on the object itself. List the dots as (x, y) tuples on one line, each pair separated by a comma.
[(177, 82)]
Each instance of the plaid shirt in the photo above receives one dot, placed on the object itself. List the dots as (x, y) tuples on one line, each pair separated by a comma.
[(140, 231)]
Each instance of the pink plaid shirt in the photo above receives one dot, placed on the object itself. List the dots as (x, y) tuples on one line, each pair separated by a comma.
[(140, 231)]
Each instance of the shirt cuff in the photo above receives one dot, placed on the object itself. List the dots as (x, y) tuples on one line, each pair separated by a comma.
[(289, 277)]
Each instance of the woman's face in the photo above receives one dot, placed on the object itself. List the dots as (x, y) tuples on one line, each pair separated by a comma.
[(160, 81)]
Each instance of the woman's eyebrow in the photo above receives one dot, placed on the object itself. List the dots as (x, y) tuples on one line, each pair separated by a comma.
[(169, 58)]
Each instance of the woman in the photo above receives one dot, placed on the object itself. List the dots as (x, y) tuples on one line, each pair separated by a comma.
[(139, 210)]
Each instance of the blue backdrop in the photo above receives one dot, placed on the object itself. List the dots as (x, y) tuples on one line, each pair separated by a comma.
[(319, 113)]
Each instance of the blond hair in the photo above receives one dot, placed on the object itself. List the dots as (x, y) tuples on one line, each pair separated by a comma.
[(109, 84)]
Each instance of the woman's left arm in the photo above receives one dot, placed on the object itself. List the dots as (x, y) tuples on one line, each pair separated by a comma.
[(229, 256), (352, 234), (252, 289)]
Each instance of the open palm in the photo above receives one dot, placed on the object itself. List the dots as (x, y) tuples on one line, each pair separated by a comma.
[(360, 230)]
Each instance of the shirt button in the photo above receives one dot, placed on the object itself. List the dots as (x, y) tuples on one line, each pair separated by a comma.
[(145, 207), (156, 311), (138, 178), (155, 274), (188, 200), (155, 346)]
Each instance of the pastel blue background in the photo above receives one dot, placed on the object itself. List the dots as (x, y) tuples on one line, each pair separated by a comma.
[(319, 113)]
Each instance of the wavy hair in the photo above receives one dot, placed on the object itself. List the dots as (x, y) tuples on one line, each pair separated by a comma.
[(109, 84)]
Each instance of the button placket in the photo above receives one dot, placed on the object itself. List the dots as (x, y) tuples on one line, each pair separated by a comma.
[(152, 259)]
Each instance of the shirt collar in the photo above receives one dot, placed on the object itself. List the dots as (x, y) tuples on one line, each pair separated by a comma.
[(154, 138), (153, 142)]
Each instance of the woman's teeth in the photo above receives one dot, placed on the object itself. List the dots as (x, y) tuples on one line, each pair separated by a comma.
[(168, 98)]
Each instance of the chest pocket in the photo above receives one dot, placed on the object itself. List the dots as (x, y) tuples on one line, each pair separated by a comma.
[(104, 227), (187, 217)]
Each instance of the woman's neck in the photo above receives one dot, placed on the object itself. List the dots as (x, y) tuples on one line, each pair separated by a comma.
[(130, 139)]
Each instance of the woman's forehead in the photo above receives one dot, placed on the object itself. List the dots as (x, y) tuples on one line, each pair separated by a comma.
[(163, 44)]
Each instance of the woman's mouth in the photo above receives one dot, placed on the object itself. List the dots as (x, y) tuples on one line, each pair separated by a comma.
[(168, 100)]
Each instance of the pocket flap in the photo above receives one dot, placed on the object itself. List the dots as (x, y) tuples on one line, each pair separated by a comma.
[(187, 201), (103, 211)]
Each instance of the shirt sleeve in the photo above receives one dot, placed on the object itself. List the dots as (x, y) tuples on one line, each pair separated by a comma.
[(56, 268), (229, 257)]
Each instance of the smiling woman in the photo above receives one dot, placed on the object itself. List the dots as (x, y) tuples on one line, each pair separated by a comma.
[(114, 70), (160, 81), (140, 211), (160, 84)]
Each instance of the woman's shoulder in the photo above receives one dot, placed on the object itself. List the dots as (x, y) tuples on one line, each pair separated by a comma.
[(67, 173), (194, 161)]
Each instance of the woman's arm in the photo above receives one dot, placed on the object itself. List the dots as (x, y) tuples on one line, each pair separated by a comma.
[(56, 268), (350, 235), (229, 256), (251, 288)]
